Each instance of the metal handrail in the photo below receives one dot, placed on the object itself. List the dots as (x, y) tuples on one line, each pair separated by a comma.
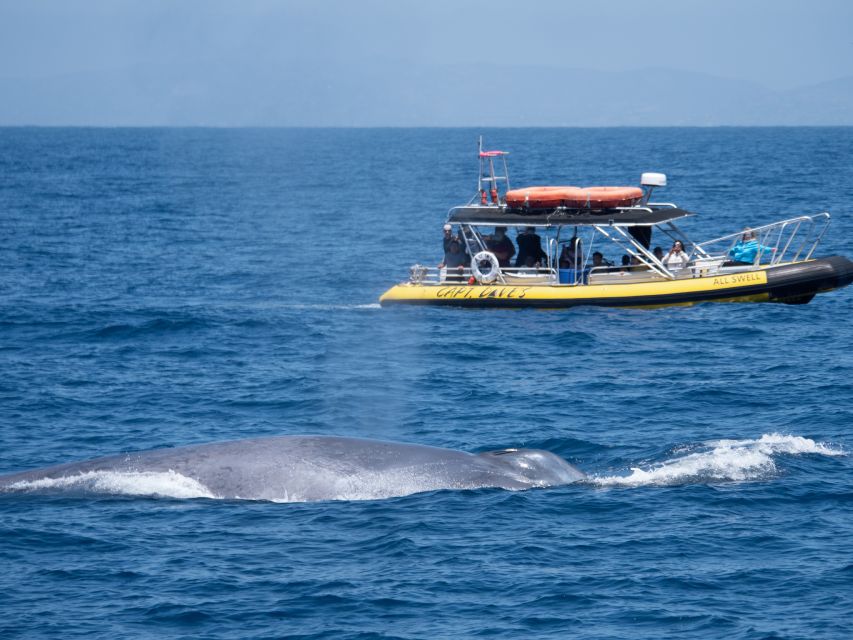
[(771, 237), (422, 274), (670, 205)]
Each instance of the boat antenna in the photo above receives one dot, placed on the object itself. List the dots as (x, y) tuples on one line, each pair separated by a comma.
[(479, 161), (487, 174)]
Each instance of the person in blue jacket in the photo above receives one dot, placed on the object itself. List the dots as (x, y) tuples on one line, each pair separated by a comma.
[(747, 248)]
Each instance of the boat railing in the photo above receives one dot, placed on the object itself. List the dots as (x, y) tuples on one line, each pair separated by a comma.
[(613, 273), (649, 207), (668, 205), (791, 240), (521, 276), (420, 274)]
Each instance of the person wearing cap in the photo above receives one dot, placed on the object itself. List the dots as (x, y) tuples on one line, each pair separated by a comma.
[(501, 246), (529, 244), (448, 237)]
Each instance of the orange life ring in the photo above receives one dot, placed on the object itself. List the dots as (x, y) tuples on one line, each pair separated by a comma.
[(573, 197)]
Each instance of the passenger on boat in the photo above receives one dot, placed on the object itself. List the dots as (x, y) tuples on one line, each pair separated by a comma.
[(529, 244), (448, 237), (599, 261), (455, 257), (530, 267), (571, 256), (636, 264), (454, 260), (626, 262), (676, 258), (658, 253), (501, 246), (747, 248)]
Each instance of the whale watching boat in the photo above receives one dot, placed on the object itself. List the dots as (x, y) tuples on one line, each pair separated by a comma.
[(564, 234)]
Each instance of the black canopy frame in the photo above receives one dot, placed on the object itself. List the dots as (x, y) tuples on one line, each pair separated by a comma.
[(503, 216)]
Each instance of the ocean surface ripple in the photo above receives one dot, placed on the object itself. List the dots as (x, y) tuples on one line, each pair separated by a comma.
[(164, 287)]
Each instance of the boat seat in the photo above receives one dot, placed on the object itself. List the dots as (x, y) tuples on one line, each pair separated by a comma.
[(527, 278), (626, 277), (706, 266)]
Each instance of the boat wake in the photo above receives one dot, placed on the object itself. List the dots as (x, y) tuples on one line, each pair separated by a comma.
[(332, 307), (720, 461)]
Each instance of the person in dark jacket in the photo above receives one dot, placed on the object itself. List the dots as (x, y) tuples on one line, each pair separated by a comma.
[(455, 261), (448, 237), (501, 246), (599, 261), (529, 245)]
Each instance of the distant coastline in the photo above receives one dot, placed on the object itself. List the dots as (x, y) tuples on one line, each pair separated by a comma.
[(458, 96)]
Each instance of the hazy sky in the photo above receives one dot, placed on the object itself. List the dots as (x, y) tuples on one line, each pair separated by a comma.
[(780, 43), (81, 49)]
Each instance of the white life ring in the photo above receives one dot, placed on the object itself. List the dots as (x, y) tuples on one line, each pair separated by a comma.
[(494, 267)]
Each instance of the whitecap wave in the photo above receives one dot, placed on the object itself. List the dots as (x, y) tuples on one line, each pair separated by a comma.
[(720, 461), (166, 484)]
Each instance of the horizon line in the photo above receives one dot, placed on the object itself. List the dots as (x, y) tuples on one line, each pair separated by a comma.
[(333, 126)]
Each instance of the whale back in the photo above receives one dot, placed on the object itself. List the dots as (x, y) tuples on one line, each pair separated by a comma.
[(299, 468)]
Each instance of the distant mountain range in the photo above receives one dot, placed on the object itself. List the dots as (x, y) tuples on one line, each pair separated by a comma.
[(397, 94)]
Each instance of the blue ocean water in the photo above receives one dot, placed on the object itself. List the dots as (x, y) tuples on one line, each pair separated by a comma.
[(162, 287)]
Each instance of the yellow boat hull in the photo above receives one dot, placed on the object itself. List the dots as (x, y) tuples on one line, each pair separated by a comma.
[(792, 283)]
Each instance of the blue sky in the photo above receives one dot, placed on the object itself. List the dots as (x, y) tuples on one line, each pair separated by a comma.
[(778, 45)]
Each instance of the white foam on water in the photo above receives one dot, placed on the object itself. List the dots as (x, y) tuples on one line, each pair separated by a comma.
[(775, 443), (721, 460), (167, 484), (331, 307)]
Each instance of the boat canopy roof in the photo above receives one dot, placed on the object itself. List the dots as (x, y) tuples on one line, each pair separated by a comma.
[(503, 216)]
